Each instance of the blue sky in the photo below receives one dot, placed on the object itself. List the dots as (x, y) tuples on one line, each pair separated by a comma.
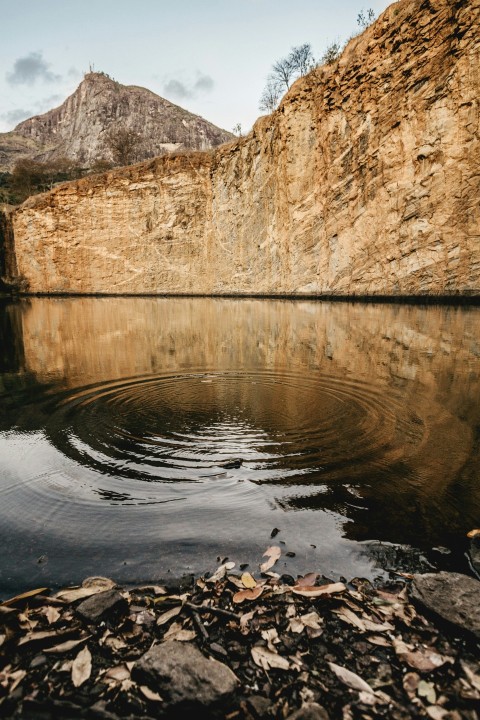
[(210, 57)]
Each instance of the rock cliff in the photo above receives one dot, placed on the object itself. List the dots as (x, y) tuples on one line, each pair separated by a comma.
[(78, 128), (365, 181)]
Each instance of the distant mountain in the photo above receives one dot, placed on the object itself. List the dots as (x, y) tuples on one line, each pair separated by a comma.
[(78, 129)]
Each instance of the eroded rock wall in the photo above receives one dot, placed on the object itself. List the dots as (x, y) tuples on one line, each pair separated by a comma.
[(365, 181)]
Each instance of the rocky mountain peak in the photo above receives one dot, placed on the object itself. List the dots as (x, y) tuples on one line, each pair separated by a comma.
[(78, 128)]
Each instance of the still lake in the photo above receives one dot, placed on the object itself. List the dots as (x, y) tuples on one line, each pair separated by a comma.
[(142, 438)]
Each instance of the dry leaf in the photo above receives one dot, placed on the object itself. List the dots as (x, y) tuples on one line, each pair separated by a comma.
[(176, 632), (379, 640), (377, 627), (267, 659), (248, 580), (271, 636), (24, 596), (273, 553), (349, 617), (115, 643), (410, 684), (51, 614), (317, 591), (173, 612), (220, 572), (311, 620), (473, 533), (436, 712), (307, 580), (351, 679), (427, 690), (39, 636), (250, 594), (90, 586), (66, 646), (82, 667), (117, 673), (423, 659), (149, 694), (473, 679)]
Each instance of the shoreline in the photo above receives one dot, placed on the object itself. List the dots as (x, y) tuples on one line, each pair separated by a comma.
[(241, 644)]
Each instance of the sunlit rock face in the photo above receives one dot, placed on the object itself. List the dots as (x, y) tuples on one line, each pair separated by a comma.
[(77, 129), (365, 181)]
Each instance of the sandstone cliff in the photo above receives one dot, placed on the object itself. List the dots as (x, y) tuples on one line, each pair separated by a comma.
[(365, 181), (78, 128)]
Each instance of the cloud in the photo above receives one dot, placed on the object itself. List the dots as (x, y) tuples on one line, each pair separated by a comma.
[(13, 117), (179, 90), (27, 70)]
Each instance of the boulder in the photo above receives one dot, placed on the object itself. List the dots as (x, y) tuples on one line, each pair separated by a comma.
[(102, 606), (452, 596), (186, 680)]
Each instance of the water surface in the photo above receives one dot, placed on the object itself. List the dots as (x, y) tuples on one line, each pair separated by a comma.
[(143, 437)]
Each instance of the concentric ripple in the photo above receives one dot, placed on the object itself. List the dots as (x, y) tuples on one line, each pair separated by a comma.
[(193, 427)]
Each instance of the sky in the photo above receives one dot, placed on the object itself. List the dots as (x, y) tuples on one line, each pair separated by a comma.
[(211, 57)]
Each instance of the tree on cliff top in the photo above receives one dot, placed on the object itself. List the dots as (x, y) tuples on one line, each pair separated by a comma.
[(298, 62)]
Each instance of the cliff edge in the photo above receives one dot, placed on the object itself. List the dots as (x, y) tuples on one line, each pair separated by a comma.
[(365, 181)]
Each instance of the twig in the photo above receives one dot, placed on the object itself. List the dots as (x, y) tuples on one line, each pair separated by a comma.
[(199, 625), (213, 610)]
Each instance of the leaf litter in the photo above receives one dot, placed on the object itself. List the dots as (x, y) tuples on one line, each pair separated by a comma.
[(358, 650)]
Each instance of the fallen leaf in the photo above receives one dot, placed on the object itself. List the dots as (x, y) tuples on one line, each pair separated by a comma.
[(410, 684), (115, 643), (307, 580), (244, 620), (250, 594), (311, 620), (173, 612), (377, 627), (473, 679), (273, 553), (317, 591), (351, 679), (271, 636), (117, 673), (379, 640), (90, 586), (349, 617), (24, 596), (82, 667), (248, 580), (267, 659), (149, 694), (66, 646), (52, 614), (39, 637), (220, 572), (436, 712), (427, 690), (423, 659), (473, 533), (176, 632)]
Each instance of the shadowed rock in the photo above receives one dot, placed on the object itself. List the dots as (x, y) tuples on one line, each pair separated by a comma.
[(185, 679), (103, 605), (451, 596)]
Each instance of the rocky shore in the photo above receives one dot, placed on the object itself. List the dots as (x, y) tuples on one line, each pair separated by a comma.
[(245, 644)]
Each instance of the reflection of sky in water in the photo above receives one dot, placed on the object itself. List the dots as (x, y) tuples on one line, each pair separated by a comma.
[(351, 424)]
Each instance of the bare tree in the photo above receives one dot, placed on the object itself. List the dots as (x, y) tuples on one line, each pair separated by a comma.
[(123, 145), (301, 59), (332, 53), (298, 62), (271, 95), (365, 18)]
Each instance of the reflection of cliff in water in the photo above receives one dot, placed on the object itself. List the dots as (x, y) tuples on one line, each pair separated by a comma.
[(405, 378)]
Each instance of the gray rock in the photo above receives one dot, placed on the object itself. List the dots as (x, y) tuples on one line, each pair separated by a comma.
[(309, 711), (184, 678), (99, 607), (259, 706), (453, 597)]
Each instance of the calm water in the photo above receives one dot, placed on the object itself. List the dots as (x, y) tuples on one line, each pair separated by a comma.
[(357, 428)]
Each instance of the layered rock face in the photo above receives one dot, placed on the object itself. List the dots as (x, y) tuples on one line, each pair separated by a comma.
[(365, 181), (78, 128)]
